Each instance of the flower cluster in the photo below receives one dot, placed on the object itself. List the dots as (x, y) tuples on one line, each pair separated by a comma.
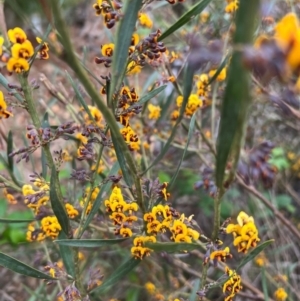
[(9, 197), (145, 21), (50, 226), (110, 10), (97, 116), (277, 55), (220, 77), (233, 285), (280, 294), (92, 199), (287, 36), (231, 6), (162, 191), (71, 211), (202, 84), (161, 218), (294, 161), (126, 110), (245, 233), (21, 51), (34, 234), (193, 104), (261, 260), (149, 50), (130, 138), (36, 199), (182, 232), (121, 212), (139, 251), (56, 269), (220, 255), (154, 111)]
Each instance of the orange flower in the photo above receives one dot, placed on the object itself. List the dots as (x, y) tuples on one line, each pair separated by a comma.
[(287, 35)]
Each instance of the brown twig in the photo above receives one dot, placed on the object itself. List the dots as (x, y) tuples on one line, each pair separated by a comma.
[(3, 28)]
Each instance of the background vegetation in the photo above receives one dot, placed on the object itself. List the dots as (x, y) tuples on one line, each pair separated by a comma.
[(188, 111)]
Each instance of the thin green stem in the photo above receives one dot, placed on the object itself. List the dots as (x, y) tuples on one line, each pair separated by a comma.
[(216, 228), (50, 261), (7, 183), (206, 140), (88, 198)]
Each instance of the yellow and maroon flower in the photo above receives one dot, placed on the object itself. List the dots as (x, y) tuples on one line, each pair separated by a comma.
[(43, 49), (3, 106), (17, 35), (107, 49), (145, 20), (17, 65), (24, 50)]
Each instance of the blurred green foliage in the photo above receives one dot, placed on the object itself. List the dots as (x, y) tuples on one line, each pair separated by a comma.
[(13, 233)]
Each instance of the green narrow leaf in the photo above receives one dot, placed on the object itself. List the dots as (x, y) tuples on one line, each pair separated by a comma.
[(220, 68), (123, 39), (45, 121), (264, 284), (190, 133), (9, 164), (58, 208), (194, 11), (166, 105), (172, 247), (3, 161), (148, 96), (10, 150), (196, 286), (44, 164), (89, 243), (252, 254), (15, 221), (21, 268), (118, 274), (79, 96), (187, 89), (45, 124), (104, 190), (67, 255), (150, 80), (237, 96)]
